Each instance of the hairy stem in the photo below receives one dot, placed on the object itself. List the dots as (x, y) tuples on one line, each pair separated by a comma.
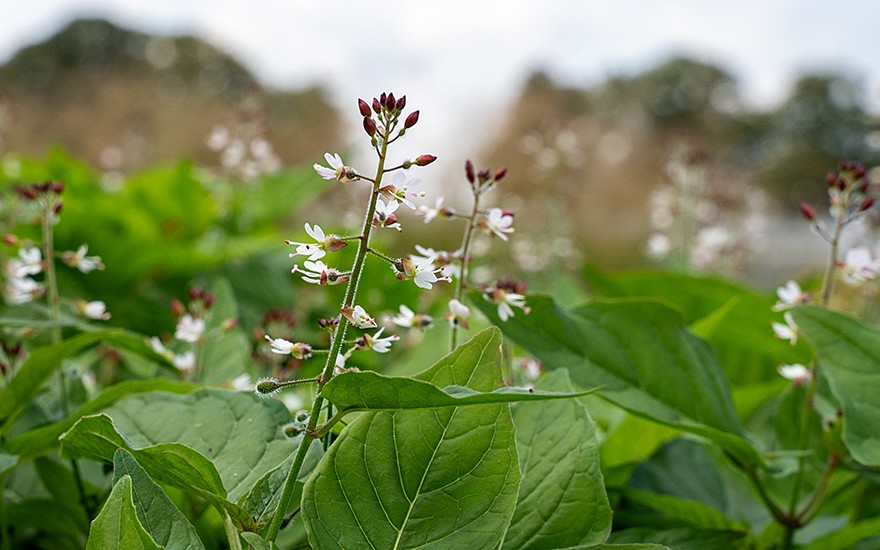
[(465, 250), (335, 347)]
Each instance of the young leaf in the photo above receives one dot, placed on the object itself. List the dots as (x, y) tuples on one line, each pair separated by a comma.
[(849, 353), (645, 357), (562, 498), (117, 526), (429, 478), (364, 391), (165, 524)]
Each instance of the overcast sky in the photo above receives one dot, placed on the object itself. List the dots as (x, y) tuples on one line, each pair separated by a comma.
[(461, 61)]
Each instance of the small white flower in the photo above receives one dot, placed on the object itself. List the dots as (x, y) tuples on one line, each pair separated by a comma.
[(790, 295), (797, 373), (407, 318), (506, 301), (218, 139), (458, 309), (337, 171), (157, 346), (531, 369), (379, 345), (358, 317), (314, 251), (79, 260), (93, 310), (318, 273), (242, 382), (499, 223), (185, 361), (384, 216), (281, 346), (787, 331), (859, 266), (430, 213), (421, 270), (189, 329), (22, 290), (400, 189), (30, 262)]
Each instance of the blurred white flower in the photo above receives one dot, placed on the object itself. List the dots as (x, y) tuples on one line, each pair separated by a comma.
[(29, 262), (185, 361), (242, 382), (95, 309), (787, 331), (409, 319), (430, 213), (189, 329), (20, 290), (858, 266), (797, 373), (498, 222), (790, 295)]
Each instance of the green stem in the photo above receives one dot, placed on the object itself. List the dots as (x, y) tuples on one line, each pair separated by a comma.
[(465, 250), (335, 348), (231, 533), (812, 505), (828, 281)]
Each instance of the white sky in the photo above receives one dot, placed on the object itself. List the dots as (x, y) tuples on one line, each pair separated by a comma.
[(462, 61)]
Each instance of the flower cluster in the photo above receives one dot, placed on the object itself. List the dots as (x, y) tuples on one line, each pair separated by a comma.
[(189, 331), (245, 153)]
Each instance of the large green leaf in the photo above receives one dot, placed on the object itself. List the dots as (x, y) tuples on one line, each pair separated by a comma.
[(849, 358), (215, 442), (44, 361), (562, 498), (734, 319), (165, 524), (45, 438), (117, 526), (367, 390), (645, 357), (430, 478)]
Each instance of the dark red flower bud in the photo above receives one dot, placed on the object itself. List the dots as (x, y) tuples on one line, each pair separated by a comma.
[(44, 187), (369, 126), (10, 239), (831, 178), (808, 212), (863, 187), (401, 103), (195, 292), (58, 208), (390, 102), (500, 173), (483, 175), (859, 170), (469, 170), (411, 119), (208, 300), (377, 106), (58, 187), (363, 107), (424, 160), (177, 307), (866, 204), (382, 98)]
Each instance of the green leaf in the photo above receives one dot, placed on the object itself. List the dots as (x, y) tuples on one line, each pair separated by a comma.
[(117, 526), (643, 354), (847, 537), (734, 319), (42, 362), (687, 513), (429, 478), (256, 541), (224, 441), (7, 462), (160, 517), (45, 438), (562, 498), (367, 390), (849, 356), (680, 539)]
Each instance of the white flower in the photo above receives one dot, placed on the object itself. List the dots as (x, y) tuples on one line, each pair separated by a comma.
[(379, 345), (409, 319), (787, 331), (859, 266), (185, 361), (242, 382), (29, 262), (93, 310), (337, 171), (499, 223), (531, 369), (157, 346), (431, 213), (400, 189), (281, 346), (18, 291), (505, 299), (422, 271), (358, 317), (79, 260), (218, 139), (659, 246), (318, 273), (189, 329), (790, 295), (797, 373), (384, 216), (316, 250)]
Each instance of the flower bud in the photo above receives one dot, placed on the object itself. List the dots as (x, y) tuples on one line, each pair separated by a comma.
[(424, 160), (10, 239), (369, 126), (411, 119), (267, 387), (229, 324), (390, 102), (808, 212), (58, 187), (483, 176), (401, 103), (499, 174), (57, 208), (363, 107), (377, 107), (866, 204), (469, 170), (333, 243), (177, 307), (383, 98), (831, 178), (292, 429)]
